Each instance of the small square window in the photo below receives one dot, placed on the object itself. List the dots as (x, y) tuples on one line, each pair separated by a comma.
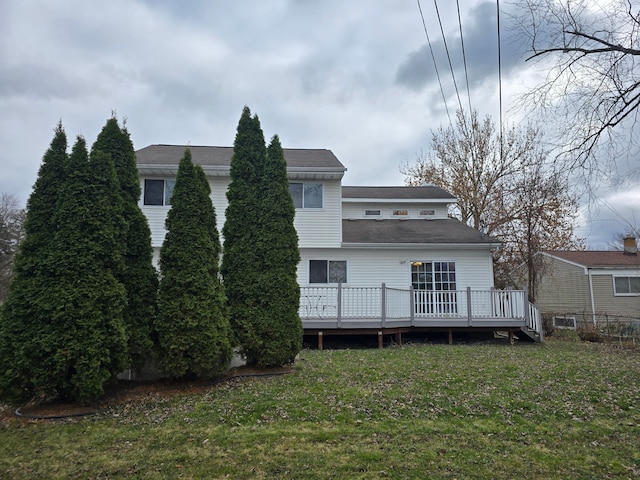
[(306, 195), (158, 192)]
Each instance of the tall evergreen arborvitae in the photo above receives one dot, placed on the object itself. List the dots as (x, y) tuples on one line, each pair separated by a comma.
[(241, 268), (261, 253), (281, 328), (79, 340), (139, 277), (193, 329), (27, 334)]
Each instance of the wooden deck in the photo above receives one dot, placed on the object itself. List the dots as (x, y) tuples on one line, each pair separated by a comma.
[(390, 311)]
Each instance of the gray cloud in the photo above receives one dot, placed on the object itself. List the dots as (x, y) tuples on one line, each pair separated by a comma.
[(479, 29), (351, 77)]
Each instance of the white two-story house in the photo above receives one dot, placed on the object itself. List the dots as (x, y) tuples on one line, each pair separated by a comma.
[(378, 259)]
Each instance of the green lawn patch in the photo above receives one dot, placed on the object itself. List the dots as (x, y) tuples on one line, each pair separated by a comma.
[(558, 410)]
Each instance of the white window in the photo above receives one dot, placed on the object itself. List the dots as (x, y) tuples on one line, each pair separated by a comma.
[(400, 213), (427, 213), (327, 271), (158, 192), (306, 195), (626, 285), (565, 322), (372, 213)]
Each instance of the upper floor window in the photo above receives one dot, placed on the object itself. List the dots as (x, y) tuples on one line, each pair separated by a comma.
[(400, 213), (427, 213), (306, 195), (372, 213), (158, 192), (626, 285)]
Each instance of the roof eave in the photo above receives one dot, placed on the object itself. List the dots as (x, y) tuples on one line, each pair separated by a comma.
[(398, 200), (425, 246)]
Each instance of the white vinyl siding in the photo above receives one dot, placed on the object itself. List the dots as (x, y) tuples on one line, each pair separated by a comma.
[(414, 210), (372, 267), (321, 227)]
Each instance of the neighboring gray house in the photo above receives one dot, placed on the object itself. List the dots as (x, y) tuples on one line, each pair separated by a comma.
[(590, 287)]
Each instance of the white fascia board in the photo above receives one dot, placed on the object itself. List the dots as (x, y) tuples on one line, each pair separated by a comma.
[(425, 246), (311, 173), (398, 200), (157, 170)]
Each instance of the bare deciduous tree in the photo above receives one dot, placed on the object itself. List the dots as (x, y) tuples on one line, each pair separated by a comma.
[(469, 161), (506, 189), (539, 211), (591, 93), (11, 234)]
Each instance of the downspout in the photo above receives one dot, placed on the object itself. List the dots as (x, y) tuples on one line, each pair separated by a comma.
[(593, 304)]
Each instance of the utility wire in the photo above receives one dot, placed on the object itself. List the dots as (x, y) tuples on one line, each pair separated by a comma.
[(435, 65), (464, 57), (500, 78), (446, 48)]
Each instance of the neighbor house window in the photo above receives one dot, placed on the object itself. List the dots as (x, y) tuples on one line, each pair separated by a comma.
[(565, 322), (400, 213), (626, 285), (372, 213), (158, 192), (327, 271), (427, 213), (306, 195)]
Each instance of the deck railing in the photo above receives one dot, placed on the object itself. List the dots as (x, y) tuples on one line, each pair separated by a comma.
[(392, 305)]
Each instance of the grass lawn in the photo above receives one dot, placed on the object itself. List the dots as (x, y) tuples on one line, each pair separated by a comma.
[(558, 410)]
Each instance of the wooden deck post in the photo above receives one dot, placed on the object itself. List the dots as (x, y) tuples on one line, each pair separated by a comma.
[(525, 303), (399, 338), (450, 332), (380, 339), (412, 305), (339, 305), (383, 305), (320, 335), (469, 312)]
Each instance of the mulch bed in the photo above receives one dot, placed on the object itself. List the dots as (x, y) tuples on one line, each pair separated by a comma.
[(128, 391)]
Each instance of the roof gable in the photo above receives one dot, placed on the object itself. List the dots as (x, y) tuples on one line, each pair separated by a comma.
[(597, 258)]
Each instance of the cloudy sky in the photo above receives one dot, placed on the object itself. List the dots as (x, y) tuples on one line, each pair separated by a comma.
[(354, 77)]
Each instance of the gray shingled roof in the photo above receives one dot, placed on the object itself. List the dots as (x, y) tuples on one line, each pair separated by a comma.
[(422, 192), (445, 231), (221, 156), (598, 258)]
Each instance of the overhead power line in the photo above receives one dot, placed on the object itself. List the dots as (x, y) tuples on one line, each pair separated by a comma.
[(464, 57), (435, 64), (446, 49), (499, 76)]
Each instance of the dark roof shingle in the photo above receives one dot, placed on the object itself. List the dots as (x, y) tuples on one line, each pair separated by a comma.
[(598, 258), (389, 231), (221, 156), (402, 193)]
